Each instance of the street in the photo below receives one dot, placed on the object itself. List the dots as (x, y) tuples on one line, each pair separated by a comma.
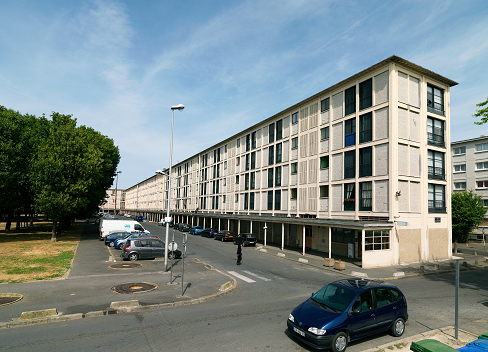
[(253, 317)]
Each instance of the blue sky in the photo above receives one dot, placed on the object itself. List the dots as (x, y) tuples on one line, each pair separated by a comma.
[(118, 66)]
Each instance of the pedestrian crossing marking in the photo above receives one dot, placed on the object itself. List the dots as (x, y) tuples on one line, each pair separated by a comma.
[(242, 277), (256, 275)]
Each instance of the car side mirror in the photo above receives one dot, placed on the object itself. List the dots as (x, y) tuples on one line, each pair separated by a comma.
[(354, 312)]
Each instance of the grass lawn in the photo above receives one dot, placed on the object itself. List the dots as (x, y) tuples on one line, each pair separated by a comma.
[(29, 254)]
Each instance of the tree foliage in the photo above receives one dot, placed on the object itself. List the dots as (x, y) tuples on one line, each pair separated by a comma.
[(53, 166), (467, 213), (73, 168), (482, 112), (17, 144)]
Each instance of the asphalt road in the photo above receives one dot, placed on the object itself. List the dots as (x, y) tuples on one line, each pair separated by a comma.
[(253, 317)]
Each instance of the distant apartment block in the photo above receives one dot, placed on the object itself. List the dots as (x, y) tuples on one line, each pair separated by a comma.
[(470, 166)]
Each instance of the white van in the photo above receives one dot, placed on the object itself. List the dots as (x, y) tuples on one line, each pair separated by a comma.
[(106, 226)]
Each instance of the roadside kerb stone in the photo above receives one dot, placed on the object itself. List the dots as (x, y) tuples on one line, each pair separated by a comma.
[(34, 314), (124, 304), (357, 273)]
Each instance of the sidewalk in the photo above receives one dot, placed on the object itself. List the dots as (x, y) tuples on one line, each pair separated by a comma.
[(96, 285), (473, 256)]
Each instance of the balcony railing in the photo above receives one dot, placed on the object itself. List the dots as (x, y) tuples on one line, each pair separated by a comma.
[(436, 173), (435, 139), (437, 206)]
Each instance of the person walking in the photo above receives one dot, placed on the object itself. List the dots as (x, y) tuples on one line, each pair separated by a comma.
[(239, 254)]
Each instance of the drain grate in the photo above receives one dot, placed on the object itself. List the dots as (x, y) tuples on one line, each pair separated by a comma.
[(134, 287), (9, 298), (125, 266)]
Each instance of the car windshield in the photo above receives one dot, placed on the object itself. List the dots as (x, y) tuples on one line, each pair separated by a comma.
[(334, 297)]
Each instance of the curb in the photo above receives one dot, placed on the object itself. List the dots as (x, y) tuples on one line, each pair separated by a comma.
[(396, 276), (46, 315), (421, 336)]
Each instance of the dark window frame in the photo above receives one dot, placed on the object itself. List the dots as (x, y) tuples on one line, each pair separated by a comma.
[(350, 101), (350, 132), (366, 162), (435, 99), (350, 164), (349, 196), (366, 128), (435, 171), (366, 94), (435, 135), (366, 196), (325, 105), (271, 133)]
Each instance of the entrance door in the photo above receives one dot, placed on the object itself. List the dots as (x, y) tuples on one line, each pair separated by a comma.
[(308, 237)]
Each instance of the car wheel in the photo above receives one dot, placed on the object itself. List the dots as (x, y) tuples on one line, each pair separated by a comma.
[(398, 327), (121, 245), (223, 239), (133, 257), (171, 255), (339, 342)]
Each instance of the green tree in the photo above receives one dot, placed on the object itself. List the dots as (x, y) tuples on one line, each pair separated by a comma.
[(17, 146), (483, 113), (71, 171), (467, 213)]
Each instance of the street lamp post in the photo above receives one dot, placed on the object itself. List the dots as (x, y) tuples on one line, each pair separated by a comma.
[(168, 219), (116, 181)]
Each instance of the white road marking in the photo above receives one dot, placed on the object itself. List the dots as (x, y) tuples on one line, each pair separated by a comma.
[(255, 275), (242, 277)]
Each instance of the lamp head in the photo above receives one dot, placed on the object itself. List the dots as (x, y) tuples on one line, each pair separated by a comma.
[(178, 107)]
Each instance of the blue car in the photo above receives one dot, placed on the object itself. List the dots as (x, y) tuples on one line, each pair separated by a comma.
[(119, 243), (347, 310), (110, 239), (195, 230)]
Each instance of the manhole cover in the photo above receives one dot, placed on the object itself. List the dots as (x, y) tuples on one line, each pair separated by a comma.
[(134, 287), (9, 298), (125, 266)]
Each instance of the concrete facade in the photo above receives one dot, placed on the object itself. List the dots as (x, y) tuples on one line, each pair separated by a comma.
[(470, 167), (342, 172)]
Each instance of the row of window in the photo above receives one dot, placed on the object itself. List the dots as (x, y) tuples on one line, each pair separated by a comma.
[(478, 147)]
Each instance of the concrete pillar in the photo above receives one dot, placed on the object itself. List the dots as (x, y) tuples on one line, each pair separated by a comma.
[(303, 240), (265, 228), (238, 226), (250, 230), (282, 236), (330, 242)]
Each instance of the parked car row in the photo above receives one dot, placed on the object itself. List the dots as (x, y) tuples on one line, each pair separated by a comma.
[(246, 239)]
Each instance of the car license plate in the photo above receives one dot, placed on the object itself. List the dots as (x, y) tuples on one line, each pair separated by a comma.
[(298, 331)]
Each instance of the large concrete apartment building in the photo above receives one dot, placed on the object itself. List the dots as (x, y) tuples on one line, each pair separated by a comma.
[(358, 170)]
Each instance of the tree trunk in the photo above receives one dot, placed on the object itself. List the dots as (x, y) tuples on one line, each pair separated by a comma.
[(9, 221), (455, 247), (53, 236), (17, 226)]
